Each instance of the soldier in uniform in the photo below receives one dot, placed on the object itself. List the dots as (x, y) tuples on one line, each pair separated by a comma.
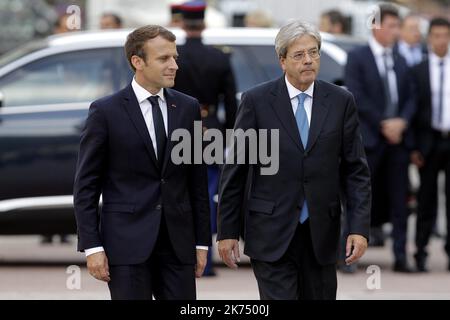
[(176, 18), (205, 73)]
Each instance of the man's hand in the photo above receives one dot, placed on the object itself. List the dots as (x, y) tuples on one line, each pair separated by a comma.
[(356, 246), (417, 159), (97, 264), (229, 252), (202, 257), (392, 130)]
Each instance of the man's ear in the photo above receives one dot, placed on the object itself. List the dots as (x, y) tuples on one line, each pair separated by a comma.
[(137, 62), (282, 63)]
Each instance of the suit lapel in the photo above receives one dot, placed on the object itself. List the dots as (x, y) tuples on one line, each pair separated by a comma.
[(172, 118), (318, 114), (133, 109), (282, 106), (374, 67), (425, 75), (397, 68), (426, 78)]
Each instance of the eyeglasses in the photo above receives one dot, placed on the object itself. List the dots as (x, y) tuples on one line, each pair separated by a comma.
[(313, 54)]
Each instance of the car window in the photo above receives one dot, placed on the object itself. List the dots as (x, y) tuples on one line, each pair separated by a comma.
[(78, 76), (22, 51), (253, 65), (330, 69), (347, 44)]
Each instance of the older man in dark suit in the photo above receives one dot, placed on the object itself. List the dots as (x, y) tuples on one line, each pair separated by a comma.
[(292, 226)]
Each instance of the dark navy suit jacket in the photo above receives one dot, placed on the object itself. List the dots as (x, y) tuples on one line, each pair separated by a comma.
[(333, 159), (117, 160), (363, 79)]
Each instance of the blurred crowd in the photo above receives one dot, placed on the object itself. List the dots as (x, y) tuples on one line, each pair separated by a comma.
[(401, 86)]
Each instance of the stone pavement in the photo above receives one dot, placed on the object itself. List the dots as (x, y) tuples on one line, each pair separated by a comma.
[(29, 270)]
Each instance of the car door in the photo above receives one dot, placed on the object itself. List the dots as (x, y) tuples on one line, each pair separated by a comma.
[(45, 105)]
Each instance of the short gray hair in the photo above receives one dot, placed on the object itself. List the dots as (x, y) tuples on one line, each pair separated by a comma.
[(291, 32)]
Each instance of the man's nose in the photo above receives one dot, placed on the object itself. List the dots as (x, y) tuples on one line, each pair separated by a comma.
[(174, 64), (307, 59)]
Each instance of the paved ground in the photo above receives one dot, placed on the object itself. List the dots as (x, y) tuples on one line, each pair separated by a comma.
[(29, 270)]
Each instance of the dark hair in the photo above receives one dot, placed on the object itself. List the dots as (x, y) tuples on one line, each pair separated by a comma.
[(134, 46), (438, 22), (385, 10), (193, 25), (115, 17), (335, 17)]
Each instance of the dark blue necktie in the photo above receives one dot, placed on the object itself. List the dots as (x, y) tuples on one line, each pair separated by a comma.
[(303, 127), (160, 130)]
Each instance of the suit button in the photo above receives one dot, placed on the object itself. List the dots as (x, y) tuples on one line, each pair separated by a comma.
[(158, 207), (305, 181), (163, 181), (305, 154)]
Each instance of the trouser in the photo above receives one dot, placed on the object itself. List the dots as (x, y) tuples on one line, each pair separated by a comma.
[(296, 275), (162, 276)]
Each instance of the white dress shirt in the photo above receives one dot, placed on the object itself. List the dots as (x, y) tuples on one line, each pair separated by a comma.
[(435, 84), (142, 96), (294, 92), (146, 108), (378, 50)]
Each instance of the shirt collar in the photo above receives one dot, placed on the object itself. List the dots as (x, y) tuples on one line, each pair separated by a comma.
[(377, 48), (434, 59), (406, 46), (142, 94), (293, 91)]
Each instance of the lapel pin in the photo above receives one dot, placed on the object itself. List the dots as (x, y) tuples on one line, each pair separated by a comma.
[(174, 106)]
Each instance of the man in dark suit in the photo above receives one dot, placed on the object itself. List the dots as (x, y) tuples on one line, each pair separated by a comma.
[(292, 227), (410, 44), (380, 80), (143, 240), (432, 132), (206, 74), (205, 71)]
